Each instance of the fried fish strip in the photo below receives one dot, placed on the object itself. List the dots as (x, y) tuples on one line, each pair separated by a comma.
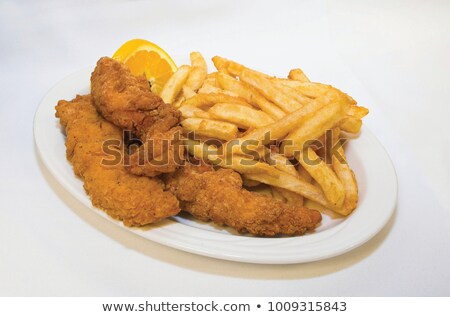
[(126, 100), (135, 200), (218, 196)]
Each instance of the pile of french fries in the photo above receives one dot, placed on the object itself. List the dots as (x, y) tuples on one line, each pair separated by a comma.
[(236, 104)]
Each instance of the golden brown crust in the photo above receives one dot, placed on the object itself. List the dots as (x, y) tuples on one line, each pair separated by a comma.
[(135, 200), (218, 196), (126, 101)]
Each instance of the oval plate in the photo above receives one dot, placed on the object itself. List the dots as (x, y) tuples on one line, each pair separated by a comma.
[(369, 160)]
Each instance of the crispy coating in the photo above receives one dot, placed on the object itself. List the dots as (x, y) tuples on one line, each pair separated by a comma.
[(135, 200), (218, 196), (126, 101)]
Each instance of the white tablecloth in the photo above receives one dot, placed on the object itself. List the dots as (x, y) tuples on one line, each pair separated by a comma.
[(391, 56)]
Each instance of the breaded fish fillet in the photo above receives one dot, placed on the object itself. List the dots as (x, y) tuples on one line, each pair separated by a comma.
[(126, 100), (135, 200), (218, 196)]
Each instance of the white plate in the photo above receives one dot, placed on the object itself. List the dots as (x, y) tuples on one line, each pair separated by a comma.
[(373, 168)]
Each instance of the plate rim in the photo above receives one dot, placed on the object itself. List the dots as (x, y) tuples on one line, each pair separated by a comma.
[(158, 233)]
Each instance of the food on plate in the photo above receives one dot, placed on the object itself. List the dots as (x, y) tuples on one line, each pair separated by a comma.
[(218, 196), (235, 146), (175, 83), (126, 101), (288, 116), (133, 199), (198, 73), (146, 58)]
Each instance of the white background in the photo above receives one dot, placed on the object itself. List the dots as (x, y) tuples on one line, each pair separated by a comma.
[(391, 56)]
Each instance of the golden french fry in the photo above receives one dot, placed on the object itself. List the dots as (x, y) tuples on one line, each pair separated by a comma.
[(258, 171), (298, 74), (351, 125), (232, 68), (210, 128), (250, 94), (221, 64), (209, 100), (187, 92), (308, 89), (243, 116), (314, 126), (198, 71), (358, 112), (282, 127), (174, 84), (293, 184), (188, 111), (323, 175), (279, 161), (303, 174), (240, 164), (177, 103), (211, 80), (270, 91), (346, 176), (292, 93), (210, 89)]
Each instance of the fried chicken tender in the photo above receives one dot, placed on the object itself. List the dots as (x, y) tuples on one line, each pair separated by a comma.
[(126, 101), (218, 196), (135, 200)]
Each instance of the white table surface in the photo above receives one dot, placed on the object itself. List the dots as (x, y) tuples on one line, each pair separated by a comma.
[(391, 56)]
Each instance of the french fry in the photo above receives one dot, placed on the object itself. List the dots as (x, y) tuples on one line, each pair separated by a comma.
[(303, 174), (211, 80), (209, 100), (295, 185), (198, 71), (188, 111), (210, 89), (282, 127), (298, 74), (232, 68), (210, 128), (292, 93), (258, 171), (351, 125), (346, 176), (177, 103), (187, 92), (221, 64), (279, 161), (240, 164), (323, 175), (314, 126), (269, 90), (243, 116), (358, 112), (250, 94), (308, 89), (173, 86)]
